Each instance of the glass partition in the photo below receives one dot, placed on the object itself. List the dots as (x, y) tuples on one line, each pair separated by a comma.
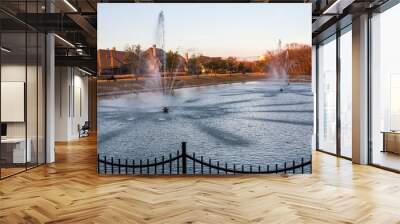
[(31, 98), (22, 88), (327, 95), (13, 114)]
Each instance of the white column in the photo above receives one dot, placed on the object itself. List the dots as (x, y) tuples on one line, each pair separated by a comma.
[(314, 90), (50, 98), (360, 90)]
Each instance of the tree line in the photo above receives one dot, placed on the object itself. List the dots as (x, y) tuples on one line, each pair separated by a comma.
[(294, 59)]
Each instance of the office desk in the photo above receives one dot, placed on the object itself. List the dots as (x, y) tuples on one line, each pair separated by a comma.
[(391, 141), (16, 147)]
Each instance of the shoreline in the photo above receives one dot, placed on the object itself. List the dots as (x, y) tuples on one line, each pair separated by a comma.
[(122, 87)]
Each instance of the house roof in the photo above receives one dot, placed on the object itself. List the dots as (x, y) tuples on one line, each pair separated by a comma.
[(110, 59)]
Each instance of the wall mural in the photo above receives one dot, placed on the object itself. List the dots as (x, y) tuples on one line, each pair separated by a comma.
[(204, 88)]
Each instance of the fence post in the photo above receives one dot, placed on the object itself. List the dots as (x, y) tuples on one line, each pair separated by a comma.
[(294, 164), (133, 166), (201, 158), (209, 167), (148, 166), (285, 167), (177, 162), (140, 165), (112, 165), (119, 166), (126, 166), (163, 169), (105, 164), (155, 165), (194, 163), (184, 158), (170, 164)]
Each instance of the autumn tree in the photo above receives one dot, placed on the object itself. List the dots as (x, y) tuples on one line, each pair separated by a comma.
[(294, 59), (135, 58), (231, 64), (194, 66), (172, 61)]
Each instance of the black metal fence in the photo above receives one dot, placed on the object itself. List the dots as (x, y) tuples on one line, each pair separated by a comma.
[(183, 163)]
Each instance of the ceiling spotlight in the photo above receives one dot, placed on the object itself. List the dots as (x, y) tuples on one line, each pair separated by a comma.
[(71, 6), (84, 71), (338, 6), (64, 40), (79, 51), (5, 50)]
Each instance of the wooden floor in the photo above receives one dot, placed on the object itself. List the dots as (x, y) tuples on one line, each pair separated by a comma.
[(70, 191), (387, 159), (8, 171)]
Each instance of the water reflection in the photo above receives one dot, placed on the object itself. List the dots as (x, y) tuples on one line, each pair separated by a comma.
[(242, 123)]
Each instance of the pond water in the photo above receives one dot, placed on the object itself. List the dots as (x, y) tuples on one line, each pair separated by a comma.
[(257, 123)]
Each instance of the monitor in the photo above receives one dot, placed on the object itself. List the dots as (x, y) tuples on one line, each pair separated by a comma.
[(3, 129)]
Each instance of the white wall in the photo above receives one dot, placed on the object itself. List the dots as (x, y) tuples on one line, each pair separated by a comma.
[(62, 82), (80, 110), (33, 126), (16, 73), (13, 100), (9, 73), (71, 102), (13, 72)]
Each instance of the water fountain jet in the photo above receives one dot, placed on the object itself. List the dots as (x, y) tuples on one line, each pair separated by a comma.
[(280, 65), (161, 80)]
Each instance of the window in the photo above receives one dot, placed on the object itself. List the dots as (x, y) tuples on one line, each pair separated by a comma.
[(385, 89), (346, 93), (327, 95)]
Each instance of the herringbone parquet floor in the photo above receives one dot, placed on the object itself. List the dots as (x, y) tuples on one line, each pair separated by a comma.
[(70, 191)]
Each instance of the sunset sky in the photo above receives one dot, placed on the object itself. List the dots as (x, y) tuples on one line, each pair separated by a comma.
[(242, 30)]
